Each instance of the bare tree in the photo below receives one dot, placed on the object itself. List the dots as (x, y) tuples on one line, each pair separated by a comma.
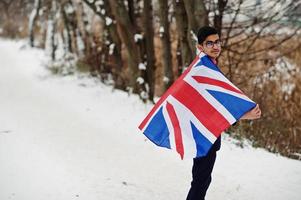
[(257, 35), (68, 30), (166, 46), (218, 15), (184, 53), (112, 42), (13, 17), (32, 20), (253, 31), (75, 43), (149, 43), (51, 40), (127, 36), (197, 16), (6, 5)]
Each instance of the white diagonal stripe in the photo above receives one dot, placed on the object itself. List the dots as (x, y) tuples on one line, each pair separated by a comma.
[(210, 73), (209, 98), (170, 127), (189, 145), (187, 117)]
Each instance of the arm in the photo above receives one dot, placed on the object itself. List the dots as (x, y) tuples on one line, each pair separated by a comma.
[(255, 113)]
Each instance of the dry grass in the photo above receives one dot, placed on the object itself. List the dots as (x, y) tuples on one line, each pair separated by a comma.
[(279, 129)]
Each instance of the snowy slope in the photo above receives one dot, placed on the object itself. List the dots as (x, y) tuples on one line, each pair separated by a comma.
[(64, 138)]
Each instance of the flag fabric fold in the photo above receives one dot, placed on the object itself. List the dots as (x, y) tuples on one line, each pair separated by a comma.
[(195, 110)]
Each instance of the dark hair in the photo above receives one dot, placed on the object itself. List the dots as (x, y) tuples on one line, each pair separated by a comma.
[(204, 32)]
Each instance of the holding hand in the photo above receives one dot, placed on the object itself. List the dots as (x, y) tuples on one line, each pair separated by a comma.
[(255, 113)]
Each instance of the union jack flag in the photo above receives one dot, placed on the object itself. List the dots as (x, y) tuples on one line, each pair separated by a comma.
[(195, 110)]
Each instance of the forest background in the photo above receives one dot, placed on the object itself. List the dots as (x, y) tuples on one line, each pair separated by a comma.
[(142, 46)]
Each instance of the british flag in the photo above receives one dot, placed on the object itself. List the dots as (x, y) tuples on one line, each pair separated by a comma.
[(195, 110)]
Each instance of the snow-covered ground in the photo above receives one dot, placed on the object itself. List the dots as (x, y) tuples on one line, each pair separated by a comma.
[(64, 138)]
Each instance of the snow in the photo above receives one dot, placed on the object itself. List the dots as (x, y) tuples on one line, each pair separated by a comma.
[(80, 42), (283, 70), (140, 80), (32, 16), (143, 95), (72, 137), (165, 79), (99, 3), (138, 37), (161, 29), (111, 48), (263, 9), (103, 11), (193, 36), (108, 21), (69, 9), (142, 66), (48, 42)]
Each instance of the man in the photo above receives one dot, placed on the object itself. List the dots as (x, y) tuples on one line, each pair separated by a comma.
[(209, 42)]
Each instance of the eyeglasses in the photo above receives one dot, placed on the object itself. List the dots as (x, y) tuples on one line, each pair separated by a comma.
[(210, 44)]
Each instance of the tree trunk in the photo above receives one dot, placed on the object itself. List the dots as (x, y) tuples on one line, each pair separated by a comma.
[(51, 42), (119, 79), (183, 50), (166, 46), (85, 31), (68, 36), (125, 28), (113, 39), (197, 17), (131, 11), (218, 17), (32, 20), (149, 43), (72, 27)]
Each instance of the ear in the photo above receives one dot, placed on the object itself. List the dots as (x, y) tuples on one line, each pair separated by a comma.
[(200, 47)]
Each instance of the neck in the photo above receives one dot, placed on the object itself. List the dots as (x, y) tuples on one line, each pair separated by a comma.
[(213, 60)]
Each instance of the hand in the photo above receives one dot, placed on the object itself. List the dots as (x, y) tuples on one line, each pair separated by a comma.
[(255, 113)]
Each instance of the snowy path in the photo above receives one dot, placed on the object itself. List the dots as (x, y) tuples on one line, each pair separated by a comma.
[(68, 138)]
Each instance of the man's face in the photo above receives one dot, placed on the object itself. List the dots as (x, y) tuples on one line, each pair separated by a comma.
[(211, 46)]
